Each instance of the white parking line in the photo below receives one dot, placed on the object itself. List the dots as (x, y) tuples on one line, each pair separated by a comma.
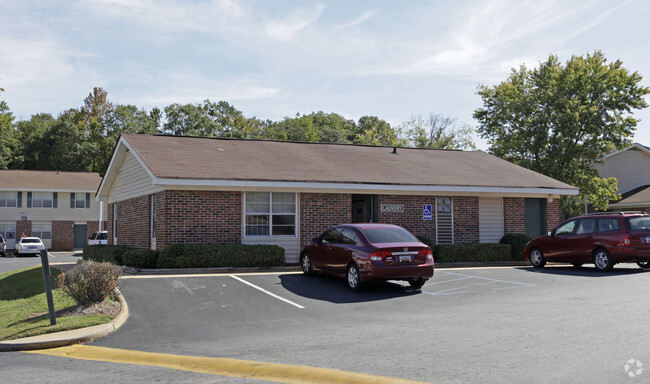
[(267, 292), (463, 289)]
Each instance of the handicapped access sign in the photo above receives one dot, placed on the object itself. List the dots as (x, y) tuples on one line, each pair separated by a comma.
[(427, 212)]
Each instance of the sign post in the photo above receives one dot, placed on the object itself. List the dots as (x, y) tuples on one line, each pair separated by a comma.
[(48, 285)]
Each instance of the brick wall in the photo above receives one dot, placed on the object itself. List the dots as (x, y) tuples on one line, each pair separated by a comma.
[(213, 217), (321, 211), (411, 218), (553, 214), (62, 235), (23, 227), (514, 215), (466, 229)]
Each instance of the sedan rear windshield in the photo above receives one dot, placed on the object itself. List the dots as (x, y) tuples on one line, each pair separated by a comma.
[(34, 241), (641, 223), (389, 235)]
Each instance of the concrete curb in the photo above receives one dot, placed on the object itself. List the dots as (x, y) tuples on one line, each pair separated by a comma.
[(226, 270), (75, 336)]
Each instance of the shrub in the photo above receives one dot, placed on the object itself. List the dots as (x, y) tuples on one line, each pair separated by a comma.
[(188, 255), (475, 252), (517, 242), (105, 253), (89, 282), (140, 258)]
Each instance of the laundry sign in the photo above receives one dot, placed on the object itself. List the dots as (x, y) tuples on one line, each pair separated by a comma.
[(392, 207)]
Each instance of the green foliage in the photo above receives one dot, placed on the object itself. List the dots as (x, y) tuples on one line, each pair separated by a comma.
[(210, 120), (105, 253), (90, 282), (560, 119), (372, 130), (8, 142), (517, 243), (140, 258), (453, 253), (438, 132), (187, 255)]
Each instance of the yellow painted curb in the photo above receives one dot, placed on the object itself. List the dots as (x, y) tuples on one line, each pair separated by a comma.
[(283, 373)]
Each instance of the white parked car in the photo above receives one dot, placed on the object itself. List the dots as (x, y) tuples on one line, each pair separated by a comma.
[(98, 238), (28, 246)]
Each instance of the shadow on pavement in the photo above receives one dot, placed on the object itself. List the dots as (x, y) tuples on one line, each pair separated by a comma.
[(586, 270), (334, 290)]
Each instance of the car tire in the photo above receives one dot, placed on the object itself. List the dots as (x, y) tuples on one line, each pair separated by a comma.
[(645, 264), (306, 264), (353, 277), (417, 283), (536, 258), (602, 260)]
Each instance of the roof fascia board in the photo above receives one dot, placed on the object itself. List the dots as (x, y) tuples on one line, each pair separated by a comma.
[(28, 189), (635, 145), (364, 187)]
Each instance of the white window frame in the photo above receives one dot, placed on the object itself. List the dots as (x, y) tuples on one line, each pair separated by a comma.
[(115, 224), (270, 215), (79, 202), (4, 200)]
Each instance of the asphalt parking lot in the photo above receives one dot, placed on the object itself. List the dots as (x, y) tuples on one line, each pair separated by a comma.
[(468, 325)]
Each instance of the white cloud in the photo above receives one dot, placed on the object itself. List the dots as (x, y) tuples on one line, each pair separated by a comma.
[(294, 22), (362, 18)]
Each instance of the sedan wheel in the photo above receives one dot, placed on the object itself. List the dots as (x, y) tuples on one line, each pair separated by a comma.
[(306, 265), (417, 283), (353, 277), (537, 258), (644, 264), (603, 261)]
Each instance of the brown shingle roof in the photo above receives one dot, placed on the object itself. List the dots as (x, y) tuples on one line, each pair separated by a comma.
[(26, 180), (175, 157)]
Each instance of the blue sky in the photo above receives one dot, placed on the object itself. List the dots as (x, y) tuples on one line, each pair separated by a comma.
[(271, 59)]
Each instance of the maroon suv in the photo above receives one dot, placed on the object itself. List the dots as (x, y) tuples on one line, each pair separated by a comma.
[(604, 239)]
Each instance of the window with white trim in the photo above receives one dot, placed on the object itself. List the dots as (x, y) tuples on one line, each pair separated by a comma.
[(79, 200), (8, 199), (270, 214), (42, 199), (42, 231)]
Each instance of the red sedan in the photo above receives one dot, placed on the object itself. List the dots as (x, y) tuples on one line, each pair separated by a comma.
[(365, 252)]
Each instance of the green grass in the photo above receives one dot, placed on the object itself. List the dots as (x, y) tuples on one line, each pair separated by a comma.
[(22, 296)]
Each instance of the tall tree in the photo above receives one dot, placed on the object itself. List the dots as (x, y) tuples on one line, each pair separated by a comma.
[(438, 131), (559, 119), (372, 130), (31, 137), (209, 119), (8, 142)]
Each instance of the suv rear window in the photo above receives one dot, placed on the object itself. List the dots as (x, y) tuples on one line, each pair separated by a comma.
[(640, 223), (608, 225)]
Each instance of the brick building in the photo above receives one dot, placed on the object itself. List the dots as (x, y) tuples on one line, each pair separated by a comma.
[(58, 207), (162, 190)]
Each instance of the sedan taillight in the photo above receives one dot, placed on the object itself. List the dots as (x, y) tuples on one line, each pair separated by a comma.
[(626, 241), (426, 252), (380, 255)]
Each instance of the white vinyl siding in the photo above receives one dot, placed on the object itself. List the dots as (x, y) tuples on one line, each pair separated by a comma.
[(132, 181), (631, 168), (490, 219)]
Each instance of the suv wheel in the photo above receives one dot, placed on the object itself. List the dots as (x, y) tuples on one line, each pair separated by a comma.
[(602, 260), (537, 258)]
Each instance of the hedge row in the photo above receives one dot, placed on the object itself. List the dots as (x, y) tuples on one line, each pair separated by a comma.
[(189, 256), (450, 253), (221, 255)]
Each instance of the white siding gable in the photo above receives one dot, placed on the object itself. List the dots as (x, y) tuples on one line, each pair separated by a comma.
[(630, 167), (132, 181)]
